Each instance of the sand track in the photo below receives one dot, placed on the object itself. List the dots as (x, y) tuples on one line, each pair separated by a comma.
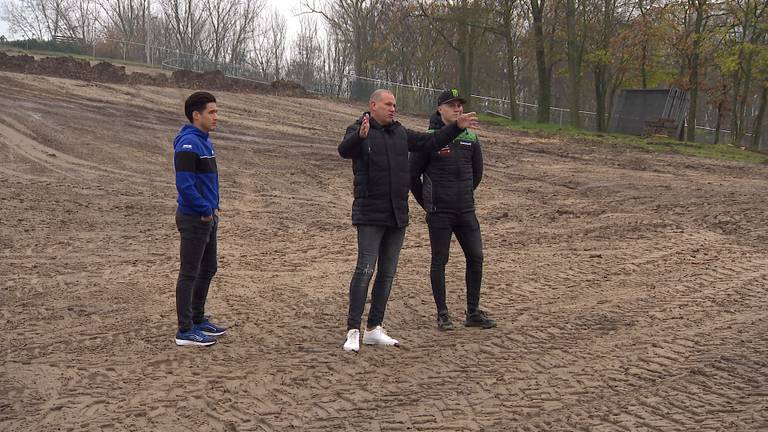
[(630, 287)]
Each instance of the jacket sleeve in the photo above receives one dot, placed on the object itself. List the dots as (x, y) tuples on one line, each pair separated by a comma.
[(477, 165), (418, 164), (429, 142), (350, 145), (185, 163)]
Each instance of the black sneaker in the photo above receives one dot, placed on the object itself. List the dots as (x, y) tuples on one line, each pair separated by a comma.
[(479, 319), (444, 322)]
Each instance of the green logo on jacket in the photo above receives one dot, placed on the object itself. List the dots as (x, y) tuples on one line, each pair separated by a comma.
[(467, 135)]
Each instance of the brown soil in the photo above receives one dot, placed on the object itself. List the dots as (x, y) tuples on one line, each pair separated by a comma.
[(630, 287), (104, 72)]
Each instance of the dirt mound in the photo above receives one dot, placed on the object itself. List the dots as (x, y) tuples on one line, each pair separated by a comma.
[(107, 72), (17, 63), (72, 68), (289, 88), (216, 80), (65, 67), (141, 78)]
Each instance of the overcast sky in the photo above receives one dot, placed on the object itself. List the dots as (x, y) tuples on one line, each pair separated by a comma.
[(289, 8)]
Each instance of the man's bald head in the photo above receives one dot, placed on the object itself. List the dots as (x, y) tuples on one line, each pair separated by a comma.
[(383, 106), (378, 94)]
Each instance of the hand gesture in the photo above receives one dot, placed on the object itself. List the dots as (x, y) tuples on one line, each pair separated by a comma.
[(467, 120), (365, 127)]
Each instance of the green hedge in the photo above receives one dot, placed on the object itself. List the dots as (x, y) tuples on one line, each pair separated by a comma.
[(37, 45)]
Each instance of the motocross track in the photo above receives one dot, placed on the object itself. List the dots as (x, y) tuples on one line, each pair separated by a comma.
[(629, 287)]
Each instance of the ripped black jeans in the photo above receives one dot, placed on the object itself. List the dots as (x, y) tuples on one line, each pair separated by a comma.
[(380, 244)]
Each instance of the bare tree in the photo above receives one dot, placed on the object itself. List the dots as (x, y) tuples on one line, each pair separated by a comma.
[(127, 17), (460, 24), (268, 45), (243, 28), (80, 20), (336, 62), (354, 20), (35, 19), (219, 16), (185, 20), (305, 53)]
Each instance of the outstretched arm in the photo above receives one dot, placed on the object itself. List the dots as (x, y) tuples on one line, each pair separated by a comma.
[(429, 142)]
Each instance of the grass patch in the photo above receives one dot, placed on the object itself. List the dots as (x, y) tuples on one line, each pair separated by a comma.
[(652, 144)]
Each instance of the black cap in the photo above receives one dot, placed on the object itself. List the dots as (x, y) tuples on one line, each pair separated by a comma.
[(450, 96)]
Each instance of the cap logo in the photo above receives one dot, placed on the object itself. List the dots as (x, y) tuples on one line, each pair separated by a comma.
[(455, 92)]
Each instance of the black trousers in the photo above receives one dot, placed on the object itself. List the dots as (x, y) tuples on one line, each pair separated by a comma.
[(442, 225), (198, 265), (375, 244)]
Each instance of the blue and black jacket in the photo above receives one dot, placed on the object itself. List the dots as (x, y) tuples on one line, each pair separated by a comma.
[(197, 179)]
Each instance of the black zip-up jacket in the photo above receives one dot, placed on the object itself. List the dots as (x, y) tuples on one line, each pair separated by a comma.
[(380, 166), (450, 175)]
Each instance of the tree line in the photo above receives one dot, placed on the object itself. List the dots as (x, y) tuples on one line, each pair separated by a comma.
[(575, 54)]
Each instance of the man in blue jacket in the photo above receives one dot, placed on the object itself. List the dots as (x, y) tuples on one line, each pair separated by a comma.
[(197, 183)]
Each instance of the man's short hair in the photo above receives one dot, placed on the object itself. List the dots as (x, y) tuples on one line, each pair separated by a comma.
[(376, 95), (197, 102)]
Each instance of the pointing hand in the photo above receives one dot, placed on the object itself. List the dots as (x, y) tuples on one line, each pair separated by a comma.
[(468, 120)]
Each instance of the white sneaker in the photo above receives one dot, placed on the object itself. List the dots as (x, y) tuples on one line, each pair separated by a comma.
[(353, 341), (378, 336)]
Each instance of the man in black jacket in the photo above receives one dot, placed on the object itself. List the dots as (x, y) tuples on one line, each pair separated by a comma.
[(450, 176), (378, 146)]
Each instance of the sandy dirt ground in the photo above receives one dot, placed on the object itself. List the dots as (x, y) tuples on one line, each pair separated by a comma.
[(629, 287)]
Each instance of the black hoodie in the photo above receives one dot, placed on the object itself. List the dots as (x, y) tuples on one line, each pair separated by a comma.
[(380, 166), (450, 175)]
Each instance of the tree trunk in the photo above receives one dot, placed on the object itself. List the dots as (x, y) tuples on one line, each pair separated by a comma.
[(574, 64), (466, 65), (643, 62), (718, 122), (757, 128), (734, 116), (741, 108), (514, 111), (537, 12), (600, 86), (694, 76)]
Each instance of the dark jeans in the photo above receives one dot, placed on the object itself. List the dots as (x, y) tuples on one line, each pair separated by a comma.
[(198, 265), (374, 243), (467, 229)]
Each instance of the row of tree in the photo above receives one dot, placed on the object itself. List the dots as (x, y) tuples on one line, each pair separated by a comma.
[(570, 53)]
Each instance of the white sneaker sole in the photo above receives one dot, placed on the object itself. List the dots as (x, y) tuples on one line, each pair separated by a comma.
[(214, 334), (395, 344), (347, 349), (184, 342)]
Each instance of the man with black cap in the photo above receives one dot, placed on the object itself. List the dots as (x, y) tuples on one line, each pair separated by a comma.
[(443, 183), (378, 146)]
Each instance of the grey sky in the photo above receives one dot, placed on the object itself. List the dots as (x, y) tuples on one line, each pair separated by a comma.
[(287, 7)]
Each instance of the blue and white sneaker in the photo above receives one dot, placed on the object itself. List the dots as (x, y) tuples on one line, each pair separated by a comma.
[(194, 337), (210, 329)]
